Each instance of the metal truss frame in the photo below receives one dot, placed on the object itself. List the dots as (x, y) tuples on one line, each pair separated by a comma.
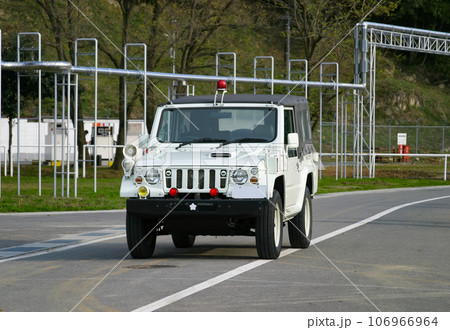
[(368, 37), (361, 93)]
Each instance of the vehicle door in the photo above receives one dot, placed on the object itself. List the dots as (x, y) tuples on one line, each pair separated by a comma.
[(292, 174)]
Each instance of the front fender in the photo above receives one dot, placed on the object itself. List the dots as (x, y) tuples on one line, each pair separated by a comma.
[(127, 188)]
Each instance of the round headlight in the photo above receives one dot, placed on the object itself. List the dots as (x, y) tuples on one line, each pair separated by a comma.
[(127, 165), (152, 176), (240, 176), (129, 151)]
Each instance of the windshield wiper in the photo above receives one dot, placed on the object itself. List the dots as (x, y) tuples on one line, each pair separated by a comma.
[(245, 139), (202, 140)]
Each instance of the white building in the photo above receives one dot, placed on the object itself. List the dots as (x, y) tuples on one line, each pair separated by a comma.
[(107, 132)]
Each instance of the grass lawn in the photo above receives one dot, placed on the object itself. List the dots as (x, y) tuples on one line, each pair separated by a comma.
[(108, 186)]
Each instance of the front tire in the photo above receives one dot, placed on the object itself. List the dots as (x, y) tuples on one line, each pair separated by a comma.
[(300, 227), (183, 241), (269, 229), (141, 236)]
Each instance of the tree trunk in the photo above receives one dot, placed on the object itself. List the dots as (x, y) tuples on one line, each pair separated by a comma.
[(118, 158)]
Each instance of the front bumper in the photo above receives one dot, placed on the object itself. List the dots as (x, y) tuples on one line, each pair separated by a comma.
[(159, 207)]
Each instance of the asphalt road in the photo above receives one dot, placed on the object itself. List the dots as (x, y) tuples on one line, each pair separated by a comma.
[(394, 259)]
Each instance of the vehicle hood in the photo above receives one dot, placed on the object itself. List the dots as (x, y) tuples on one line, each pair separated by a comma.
[(193, 156)]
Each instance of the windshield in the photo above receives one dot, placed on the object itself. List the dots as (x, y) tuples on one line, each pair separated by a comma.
[(222, 125)]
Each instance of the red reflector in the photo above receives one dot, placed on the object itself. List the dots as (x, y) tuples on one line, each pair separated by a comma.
[(214, 192), (173, 192), (221, 85)]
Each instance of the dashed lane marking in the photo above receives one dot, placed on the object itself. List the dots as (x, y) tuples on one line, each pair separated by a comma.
[(72, 241)]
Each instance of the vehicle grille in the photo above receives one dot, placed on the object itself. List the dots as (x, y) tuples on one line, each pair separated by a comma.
[(186, 180)]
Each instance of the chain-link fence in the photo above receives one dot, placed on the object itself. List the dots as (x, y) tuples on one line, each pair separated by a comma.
[(420, 139)]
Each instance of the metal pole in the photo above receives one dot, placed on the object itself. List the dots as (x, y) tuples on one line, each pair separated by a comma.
[(443, 135), (417, 133), (18, 118), (40, 118), (125, 92), (372, 112), (445, 168), (337, 121), (75, 161), (84, 160), (320, 123), (346, 133), (342, 136), (32, 49), (95, 114), (234, 67), (271, 81), (356, 59), (389, 148), (95, 96), (1, 108), (68, 135), (0, 85), (54, 136), (63, 132)]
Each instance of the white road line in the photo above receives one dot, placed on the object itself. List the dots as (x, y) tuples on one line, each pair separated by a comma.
[(376, 191), (21, 214), (62, 248), (245, 268)]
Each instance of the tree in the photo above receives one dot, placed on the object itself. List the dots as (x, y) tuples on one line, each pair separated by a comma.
[(127, 9), (28, 92), (429, 15), (59, 24), (317, 22)]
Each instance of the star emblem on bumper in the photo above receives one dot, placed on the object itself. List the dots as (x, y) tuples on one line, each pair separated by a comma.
[(193, 207)]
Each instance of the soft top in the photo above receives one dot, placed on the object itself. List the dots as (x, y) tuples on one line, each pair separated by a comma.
[(285, 100)]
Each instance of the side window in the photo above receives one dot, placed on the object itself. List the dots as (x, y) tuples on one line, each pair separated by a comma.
[(289, 128), (307, 135)]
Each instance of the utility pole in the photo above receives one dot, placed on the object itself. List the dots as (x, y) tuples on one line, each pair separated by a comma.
[(287, 56), (288, 40)]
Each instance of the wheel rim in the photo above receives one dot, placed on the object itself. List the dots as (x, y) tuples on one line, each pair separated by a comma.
[(277, 226), (307, 218)]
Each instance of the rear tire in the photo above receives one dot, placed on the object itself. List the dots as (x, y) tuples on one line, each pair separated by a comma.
[(141, 242), (269, 229), (183, 240), (300, 227)]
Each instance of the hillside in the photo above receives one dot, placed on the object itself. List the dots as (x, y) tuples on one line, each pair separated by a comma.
[(409, 87)]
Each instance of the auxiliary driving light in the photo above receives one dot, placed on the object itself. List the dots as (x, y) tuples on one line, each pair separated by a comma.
[(143, 191), (214, 192)]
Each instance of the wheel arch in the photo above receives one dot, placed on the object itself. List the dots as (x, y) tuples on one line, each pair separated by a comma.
[(279, 186), (309, 183)]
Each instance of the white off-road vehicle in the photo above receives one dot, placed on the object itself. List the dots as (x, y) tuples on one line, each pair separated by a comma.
[(222, 165)]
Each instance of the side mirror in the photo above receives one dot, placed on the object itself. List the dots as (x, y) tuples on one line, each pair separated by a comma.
[(292, 141)]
